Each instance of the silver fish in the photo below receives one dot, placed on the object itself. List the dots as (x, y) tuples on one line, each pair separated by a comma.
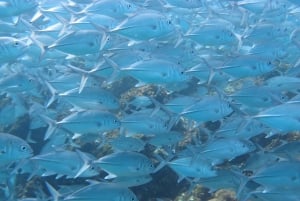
[(13, 149), (124, 164), (102, 192)]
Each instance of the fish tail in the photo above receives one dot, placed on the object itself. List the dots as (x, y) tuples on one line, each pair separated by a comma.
[(51, 128)]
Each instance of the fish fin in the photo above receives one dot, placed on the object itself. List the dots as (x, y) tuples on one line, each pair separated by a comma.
[(54, 193), (163, 162), (58, 176), (83, 81), (64, 22), (133, 42), (84, 78), (105, 38), (29, 138), (48, 173), (36, 16), (76, 135), (140, 84), (86, 162), (92, 181), (53, 94), (52, 126), (160, 166), (179, 40), (42, 47), (110, 176), (115, 73), (180, 178), (243, 182)]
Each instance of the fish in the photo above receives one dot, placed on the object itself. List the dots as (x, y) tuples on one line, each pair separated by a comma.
[(200, 111), (84, 122), (144, 26), (258, 97), (132, 181), (191, 167), (241, 128), (169, 74), (283, 84), (12, 8), (90, 20), (247, 66), (20, 82), (283, 117), (13, 149), (213, 35), (288, 150), (144, 123), (11, 49), (193, 4), (125, 164), (116, 9), (122, 143), (169, 139), (71, 164), (102, 192), (254, 6), (91, 98), (276, 195), (269, 177), (81, 42), (222, 149)]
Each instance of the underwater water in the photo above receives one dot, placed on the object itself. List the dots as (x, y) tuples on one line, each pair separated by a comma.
[(150, 100)]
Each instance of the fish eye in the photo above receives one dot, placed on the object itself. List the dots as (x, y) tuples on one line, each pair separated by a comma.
[(269, 62), (169, 22), (115, 121), (129, 6), (23, 148), (16, 43), (182, 72)]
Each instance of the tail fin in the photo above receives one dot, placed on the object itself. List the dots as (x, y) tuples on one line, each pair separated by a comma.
[(54, 193), (86, 162), (51, 128)]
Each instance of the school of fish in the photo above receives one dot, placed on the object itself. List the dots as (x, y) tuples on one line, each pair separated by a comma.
[(100, 98)]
